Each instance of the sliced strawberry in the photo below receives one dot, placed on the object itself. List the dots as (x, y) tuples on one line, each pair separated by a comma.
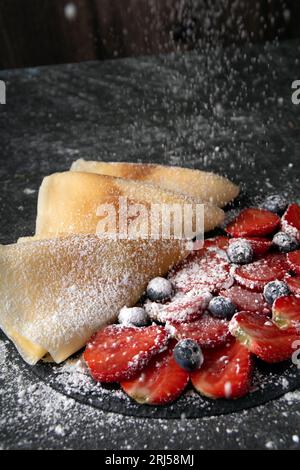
[(293, 259), (294, 284), (245, 299), (253, 222), (259, 245), (286, 312), (208, 272), (217, 243), (117, 353), (290, 222), (161, 382), (208, 332), (225, 373), (183, 307), (256, 275), (262, 337)]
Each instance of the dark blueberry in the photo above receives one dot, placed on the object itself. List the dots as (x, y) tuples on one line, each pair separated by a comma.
[(275, 289), (159, 288), (188, 355), (240, 251), (285, 242), (134, 316), (221, 307), (276, 203)]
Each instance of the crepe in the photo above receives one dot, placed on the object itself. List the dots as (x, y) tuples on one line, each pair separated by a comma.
[(54, 294), (202, 185), (69, 202)]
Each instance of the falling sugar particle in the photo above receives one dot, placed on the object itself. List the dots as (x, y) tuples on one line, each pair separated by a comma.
[(70, 11)]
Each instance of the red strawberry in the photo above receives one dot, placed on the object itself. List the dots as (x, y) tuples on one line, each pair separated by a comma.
[(262, 337), (207, 272), (216, 243), (294, 284), (225, 373), (252, 223), (117, 353), (259, 245), (161, 382), (208, 332), (290, 222), (293, 259), (246, 300), (256, 275), (286, 312)]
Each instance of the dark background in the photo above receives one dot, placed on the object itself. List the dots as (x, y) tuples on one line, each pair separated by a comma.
[(37, 32)]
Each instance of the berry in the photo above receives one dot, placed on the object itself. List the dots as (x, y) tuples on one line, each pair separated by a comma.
[(293, 260), (286, 312), (290, 222), (276, 203), (259, 245), (226, 372), (285, 242), (275, 289), (221, 307), (253, 223), (262, 337), (245, 299), (117, 353), (161, 382), (159, 289), (188, 355), (208, 332), (294, 284), (256, 275), (134, 316), (240, 252)]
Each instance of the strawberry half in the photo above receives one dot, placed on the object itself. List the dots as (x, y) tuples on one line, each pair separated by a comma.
[(116, 353), (262, 337), (225, 373), (294, 284), (208, 332), (286, 312), (259, 245), (248, 300), (290, 222), (253, 223), (256, 275), (293, 259), (161, 382)]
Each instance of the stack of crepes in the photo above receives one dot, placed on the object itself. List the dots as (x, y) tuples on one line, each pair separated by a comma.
[(61, 285)]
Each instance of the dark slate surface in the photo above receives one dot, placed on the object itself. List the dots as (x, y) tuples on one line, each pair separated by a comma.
[(228, 111)]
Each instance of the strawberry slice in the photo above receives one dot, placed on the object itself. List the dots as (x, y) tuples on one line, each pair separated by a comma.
[(290, 222), (161, 382), (262, 337), (208, 272), (117, 353), (248, 300), (256, 275), (294, 284), (253, 222), (208, 332), (183, 307), (286, 312), (225, 373), (259, 245), (293, 259)]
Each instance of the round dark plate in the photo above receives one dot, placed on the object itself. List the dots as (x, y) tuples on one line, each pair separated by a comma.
[(72, 380)]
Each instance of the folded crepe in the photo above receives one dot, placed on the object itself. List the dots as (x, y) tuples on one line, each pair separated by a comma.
[(69, 202), (54, 294), (202, 185)]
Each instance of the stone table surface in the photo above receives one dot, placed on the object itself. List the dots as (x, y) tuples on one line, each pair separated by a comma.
[(228, 111)]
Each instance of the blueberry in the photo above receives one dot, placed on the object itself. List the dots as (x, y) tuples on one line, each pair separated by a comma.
[(240, 251), (276, 203), (159, 288), (275, 289), (134, 316), (221, 307), (188, 355), (285, 242)]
